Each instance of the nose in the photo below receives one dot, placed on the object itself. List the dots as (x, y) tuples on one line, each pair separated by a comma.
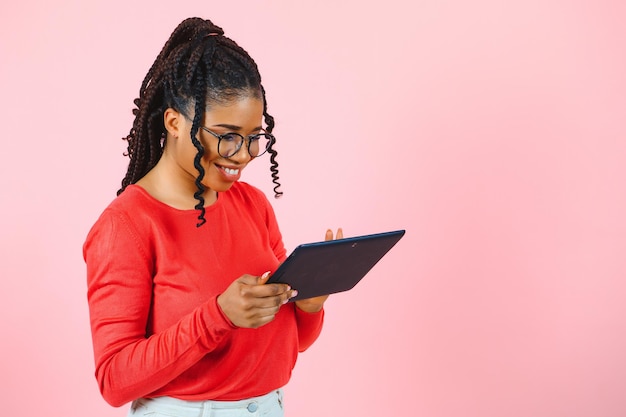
[(243, 154)]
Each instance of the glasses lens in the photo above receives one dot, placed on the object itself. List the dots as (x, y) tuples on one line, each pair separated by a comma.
[(229, 144), (259, 144)]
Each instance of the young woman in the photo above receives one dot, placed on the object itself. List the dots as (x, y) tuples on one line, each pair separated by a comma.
[(183, 323)]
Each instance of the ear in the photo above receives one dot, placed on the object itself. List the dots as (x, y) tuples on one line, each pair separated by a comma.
[(173, 121)]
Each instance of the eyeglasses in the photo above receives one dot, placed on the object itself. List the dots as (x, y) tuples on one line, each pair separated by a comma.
[(229, 143)]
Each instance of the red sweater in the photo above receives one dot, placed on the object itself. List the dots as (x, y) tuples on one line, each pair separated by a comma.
[(153, 281)]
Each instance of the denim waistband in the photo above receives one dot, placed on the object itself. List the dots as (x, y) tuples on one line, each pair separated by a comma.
[(174, 406)]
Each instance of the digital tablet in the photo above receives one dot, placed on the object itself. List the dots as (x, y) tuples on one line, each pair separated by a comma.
[(333, 266)]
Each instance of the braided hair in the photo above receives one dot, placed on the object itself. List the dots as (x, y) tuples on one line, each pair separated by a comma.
[(197, 66)]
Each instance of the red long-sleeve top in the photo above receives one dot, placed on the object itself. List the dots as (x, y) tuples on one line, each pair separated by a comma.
[(153, 281)]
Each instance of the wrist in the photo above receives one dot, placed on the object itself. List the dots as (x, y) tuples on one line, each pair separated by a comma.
[(309, 307)]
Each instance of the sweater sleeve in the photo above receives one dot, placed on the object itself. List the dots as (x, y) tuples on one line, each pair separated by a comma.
[(129, 364), (309, 327)]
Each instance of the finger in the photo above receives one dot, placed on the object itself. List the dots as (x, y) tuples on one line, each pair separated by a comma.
[(264, 317), (268, 311), (263, 306), (292, 293), (260, 316), (329, 234), (263, 278), (275, 289), (275, 300), (264, 290)]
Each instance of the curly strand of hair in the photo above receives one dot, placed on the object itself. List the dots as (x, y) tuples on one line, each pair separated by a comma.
[(200, 104), (274, 172), (269, 121)]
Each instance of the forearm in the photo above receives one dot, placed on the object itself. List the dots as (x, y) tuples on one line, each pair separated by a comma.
[(131, 367), (309, 327)]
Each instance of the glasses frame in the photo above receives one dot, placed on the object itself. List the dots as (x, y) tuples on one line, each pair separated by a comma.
[(250, 138)]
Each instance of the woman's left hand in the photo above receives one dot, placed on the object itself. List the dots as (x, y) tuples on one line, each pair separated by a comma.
[(315, 304)]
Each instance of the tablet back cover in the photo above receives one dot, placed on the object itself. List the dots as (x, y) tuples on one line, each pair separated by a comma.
[(333, 266)]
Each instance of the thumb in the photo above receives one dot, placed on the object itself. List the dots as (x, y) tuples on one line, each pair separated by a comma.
[(248, 279)]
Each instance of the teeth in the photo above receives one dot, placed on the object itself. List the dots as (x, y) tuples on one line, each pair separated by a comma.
[(231, 171)]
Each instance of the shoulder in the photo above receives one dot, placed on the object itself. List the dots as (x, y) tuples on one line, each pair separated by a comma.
[(133, 206), (127, 217)]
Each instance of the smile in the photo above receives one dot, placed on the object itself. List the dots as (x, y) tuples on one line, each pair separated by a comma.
[(231, 171)]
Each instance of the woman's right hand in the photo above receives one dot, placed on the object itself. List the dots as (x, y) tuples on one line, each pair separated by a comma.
[(249, 302)]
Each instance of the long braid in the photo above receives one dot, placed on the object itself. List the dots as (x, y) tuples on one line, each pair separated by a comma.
[(269, 121), (197, 66), (200, 94)]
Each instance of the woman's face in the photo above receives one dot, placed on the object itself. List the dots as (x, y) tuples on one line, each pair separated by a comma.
[(242, 116)]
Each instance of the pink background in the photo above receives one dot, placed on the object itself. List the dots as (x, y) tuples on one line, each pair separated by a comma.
[(492, 131)]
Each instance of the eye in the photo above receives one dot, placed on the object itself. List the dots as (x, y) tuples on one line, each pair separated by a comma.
[(231, 137)]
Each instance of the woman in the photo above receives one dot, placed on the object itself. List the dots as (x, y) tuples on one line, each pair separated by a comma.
[(182, 322)]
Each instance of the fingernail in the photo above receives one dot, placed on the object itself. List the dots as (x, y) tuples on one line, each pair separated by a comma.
[(294, 293), (265, 274)]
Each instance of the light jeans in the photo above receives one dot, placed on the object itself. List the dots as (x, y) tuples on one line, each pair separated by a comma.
[(268, 405)]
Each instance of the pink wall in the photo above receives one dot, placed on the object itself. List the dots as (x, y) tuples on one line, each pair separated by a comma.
[(494, 132)]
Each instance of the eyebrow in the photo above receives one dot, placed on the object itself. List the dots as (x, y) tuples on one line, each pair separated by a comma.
[(234, 127)]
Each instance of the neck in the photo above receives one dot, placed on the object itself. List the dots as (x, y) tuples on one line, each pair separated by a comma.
[(166, 183)]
